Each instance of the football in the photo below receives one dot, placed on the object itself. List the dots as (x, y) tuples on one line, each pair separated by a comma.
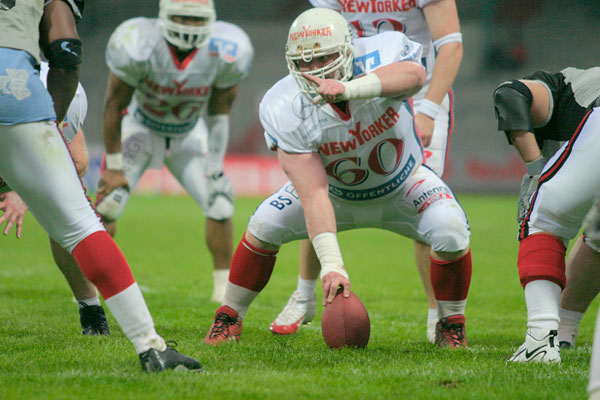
[(345, 322)]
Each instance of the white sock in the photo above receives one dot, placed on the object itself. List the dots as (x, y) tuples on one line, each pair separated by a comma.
[(239, 298), (130, 310), (220, 279), (542, 298), (93, 301), (432, 316), (306, 288), (569, 325), (448, 308)]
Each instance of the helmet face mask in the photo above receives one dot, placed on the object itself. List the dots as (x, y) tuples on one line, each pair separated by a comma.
[(319, 33), (181, 35)]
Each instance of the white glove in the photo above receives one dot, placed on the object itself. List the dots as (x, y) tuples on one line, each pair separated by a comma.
[(528, 186)]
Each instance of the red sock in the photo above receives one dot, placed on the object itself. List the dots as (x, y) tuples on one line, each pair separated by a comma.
[(542, 256), (251, 267), (102, 262), (451, 279)]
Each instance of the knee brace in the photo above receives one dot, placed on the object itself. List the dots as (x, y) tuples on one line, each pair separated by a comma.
[(512, 103), (542, 256), (111, 206)]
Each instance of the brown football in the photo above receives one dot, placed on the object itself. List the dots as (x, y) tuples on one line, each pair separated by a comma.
[(345, 322)]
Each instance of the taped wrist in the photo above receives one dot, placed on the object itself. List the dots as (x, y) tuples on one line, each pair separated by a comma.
[(535, 167), (429, 108), (63, 53), (114, 161), (218, 137), (512, 103), (366, 87), (329, 254)]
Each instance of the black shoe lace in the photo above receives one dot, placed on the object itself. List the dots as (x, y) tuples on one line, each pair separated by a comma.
[(221, 325), (171, 344), (456, 332)]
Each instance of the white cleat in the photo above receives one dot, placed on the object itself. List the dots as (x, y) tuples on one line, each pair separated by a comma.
[(297, 312), (545, 350)]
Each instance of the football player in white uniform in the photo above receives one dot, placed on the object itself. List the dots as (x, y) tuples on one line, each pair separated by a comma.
[(434, 24), (35, 163), (345, 136), (91, 313), (171, 85)]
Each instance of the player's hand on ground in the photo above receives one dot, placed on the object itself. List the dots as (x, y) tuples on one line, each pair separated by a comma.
[(425, 127), (110, 180), (329, 89), (331, 282), (14, 210), (528, 186)]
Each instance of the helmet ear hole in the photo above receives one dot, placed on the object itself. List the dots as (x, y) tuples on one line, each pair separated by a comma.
[(186, 35), (319, 32)]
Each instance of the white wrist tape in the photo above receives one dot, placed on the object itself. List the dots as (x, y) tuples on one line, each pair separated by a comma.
[(114, 161), (429, 108), (329, 254), (218, 137), (366, 87), (449, 38)]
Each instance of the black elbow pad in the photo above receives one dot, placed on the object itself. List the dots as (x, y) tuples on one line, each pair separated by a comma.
[(512, 103), (63, 53)]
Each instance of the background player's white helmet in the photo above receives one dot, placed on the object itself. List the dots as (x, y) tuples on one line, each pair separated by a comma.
[(319, 32), (186, 36)]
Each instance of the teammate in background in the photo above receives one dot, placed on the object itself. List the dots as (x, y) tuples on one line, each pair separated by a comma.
[(345, 136), (433, 24), (538, 114), (171, 84), (34, 162), (91, 314)]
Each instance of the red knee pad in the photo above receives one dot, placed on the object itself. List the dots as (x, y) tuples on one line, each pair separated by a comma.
[(102, 262), (251, 267), (451, 279), (542, 256)]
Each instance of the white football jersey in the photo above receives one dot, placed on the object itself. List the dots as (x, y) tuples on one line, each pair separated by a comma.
[(369, 150), (77, 109), (170, 95), (370, 17)]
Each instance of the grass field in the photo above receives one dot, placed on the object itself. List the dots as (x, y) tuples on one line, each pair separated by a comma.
[(44, 356)]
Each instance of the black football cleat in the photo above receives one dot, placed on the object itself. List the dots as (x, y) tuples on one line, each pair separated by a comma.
[(156, 361), (93, 320)]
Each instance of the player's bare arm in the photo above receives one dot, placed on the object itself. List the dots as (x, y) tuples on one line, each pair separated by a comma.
[(307, 174), (61, 46), (444, 26), (402, 79), (118, 96)]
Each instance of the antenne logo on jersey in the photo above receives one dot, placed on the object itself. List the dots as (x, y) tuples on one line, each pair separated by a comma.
[(308, 31), (361, 136), (226, 48), (15, 83), (377, 6), (366, 63), (178, 89)]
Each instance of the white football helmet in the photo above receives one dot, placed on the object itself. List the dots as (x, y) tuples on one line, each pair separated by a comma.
[(186, 36), (319, 32)]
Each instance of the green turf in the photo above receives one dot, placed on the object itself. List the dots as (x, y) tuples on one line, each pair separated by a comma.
[(44, 356)]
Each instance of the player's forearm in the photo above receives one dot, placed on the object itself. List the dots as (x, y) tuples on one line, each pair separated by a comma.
[(402, 79), (218, 137), (445, 70), (111, 128), (525, 143), (62, 85)]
